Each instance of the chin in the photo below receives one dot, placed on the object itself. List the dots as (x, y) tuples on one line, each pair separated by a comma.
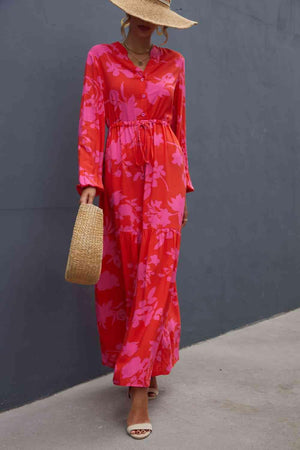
[(144, 34)]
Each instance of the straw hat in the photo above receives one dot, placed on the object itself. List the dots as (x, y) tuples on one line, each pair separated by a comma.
[(86, 249), (154, 11)]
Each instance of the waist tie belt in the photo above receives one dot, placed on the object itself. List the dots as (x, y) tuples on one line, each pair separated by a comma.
[(145, 125)]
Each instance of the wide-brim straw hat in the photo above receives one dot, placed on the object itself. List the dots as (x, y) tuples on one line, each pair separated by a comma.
[(86, 250), (157, 12)]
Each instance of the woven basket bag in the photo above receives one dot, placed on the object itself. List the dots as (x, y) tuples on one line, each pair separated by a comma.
[(86, 249)]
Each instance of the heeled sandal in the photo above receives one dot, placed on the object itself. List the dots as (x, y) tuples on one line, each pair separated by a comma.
[(145, 426), (153, 391)]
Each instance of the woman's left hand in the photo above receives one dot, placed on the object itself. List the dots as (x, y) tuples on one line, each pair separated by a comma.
[(185, 216)]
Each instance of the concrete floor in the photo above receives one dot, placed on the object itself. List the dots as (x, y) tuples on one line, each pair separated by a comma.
[(238, 391)]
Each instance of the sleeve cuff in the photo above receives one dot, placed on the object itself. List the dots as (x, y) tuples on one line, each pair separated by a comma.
[(80, 187)]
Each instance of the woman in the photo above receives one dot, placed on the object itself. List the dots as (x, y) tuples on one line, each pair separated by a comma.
[(141, 174)]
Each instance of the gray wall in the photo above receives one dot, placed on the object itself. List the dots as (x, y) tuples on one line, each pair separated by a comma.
[(240, 253)]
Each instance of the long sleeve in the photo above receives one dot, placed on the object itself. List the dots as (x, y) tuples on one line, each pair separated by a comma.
[(179, 120), (91, 130)]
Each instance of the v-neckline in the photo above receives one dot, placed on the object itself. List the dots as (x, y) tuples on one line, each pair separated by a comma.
[(131, 62)]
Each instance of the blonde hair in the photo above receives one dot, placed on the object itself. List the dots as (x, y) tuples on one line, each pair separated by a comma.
[(163, 32), (125, 21)]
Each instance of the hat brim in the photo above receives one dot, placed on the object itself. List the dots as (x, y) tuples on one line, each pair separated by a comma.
[(153, 12)]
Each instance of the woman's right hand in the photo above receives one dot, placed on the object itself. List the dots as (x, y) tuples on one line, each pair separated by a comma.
[(88, 194)]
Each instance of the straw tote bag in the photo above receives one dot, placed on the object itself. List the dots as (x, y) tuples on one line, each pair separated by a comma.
[(86, 250)]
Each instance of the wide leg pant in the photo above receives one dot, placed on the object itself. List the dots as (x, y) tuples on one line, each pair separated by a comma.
[(136, 297)]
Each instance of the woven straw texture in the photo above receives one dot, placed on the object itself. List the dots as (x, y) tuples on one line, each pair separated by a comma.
[(86, 249), (154, 11)]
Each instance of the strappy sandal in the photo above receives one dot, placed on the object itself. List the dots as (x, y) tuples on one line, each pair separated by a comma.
[(146, 427), (152, 390)]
